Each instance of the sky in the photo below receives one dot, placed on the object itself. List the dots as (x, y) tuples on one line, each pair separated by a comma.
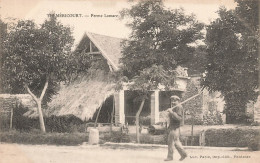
[(37, 10)]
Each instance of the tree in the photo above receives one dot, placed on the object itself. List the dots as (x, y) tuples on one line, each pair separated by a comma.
[(159, 36), (232, 57), (36, 58), (197, 62), (3, 33), (160, 41)]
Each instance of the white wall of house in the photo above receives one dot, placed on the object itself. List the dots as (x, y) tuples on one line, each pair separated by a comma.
[(120, 107)]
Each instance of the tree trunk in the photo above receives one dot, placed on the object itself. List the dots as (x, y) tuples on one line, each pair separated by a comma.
[(137, 120), (112, 116), (39, 106), (39, 103), (97, 116)]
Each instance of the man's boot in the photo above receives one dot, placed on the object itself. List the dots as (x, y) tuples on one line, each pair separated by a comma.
[(183, 156), (168, 159)]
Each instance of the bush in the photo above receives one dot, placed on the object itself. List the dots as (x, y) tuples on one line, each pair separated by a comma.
[(254, 143), (163, 139), (145, 121), (48, 138), (212, 118), (117, 137), (189, 141), (21, 122), (60, 124), (230, 137), (209, 118), (255, 123), (4, 121), (153, 139), (194, 121)]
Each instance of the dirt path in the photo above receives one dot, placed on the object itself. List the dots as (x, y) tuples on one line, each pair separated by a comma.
[(14, 153)]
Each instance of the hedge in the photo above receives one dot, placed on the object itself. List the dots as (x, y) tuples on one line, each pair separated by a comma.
[(116, 136), (231, 137), (43, 138), (60, 124)]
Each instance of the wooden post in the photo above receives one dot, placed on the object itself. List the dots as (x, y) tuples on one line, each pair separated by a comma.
[(137, 116), (112, 116), (11, 118)]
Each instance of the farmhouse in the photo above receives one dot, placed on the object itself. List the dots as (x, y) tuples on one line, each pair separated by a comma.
[(83, 98)]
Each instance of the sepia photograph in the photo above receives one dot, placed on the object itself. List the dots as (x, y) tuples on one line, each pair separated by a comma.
[(129, 81)]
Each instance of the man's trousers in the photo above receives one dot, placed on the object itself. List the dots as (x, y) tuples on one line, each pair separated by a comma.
[(173, 140)]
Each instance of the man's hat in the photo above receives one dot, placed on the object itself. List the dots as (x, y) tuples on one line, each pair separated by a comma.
[(174, 97)]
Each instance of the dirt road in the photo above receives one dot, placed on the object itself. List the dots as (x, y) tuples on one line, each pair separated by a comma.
[(16, 153)]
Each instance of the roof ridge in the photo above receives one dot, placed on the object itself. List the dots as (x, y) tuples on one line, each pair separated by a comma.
[(104, 53), (105, 35)]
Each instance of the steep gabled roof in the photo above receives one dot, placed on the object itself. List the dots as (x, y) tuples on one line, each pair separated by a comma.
[(110, 47), (81, 98)]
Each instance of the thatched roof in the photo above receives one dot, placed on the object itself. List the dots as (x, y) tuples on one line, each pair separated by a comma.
[(81, 98), (110, 47)]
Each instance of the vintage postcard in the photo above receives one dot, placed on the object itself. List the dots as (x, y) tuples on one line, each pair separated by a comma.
[(130, 81)]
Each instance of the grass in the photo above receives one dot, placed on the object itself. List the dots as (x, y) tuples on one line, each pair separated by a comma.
[(43, 138), (222, 136)]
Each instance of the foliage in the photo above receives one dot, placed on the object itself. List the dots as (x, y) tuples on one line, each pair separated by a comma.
[(59, 124), (159, 36), (5, 121), (117, 137), (159, 42), (33, 53), (153, 139), (212, 118), (198, 61), (22, 123), (63, 124), (3, 33), (231, 137), (36, 59), (145, 121), (254, 143), (197, 120), (162, 139), (151, 78), (232, 56), (48, 138), (194, 106)]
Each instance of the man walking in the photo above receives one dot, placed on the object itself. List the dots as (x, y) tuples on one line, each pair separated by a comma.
[(175, 116)]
